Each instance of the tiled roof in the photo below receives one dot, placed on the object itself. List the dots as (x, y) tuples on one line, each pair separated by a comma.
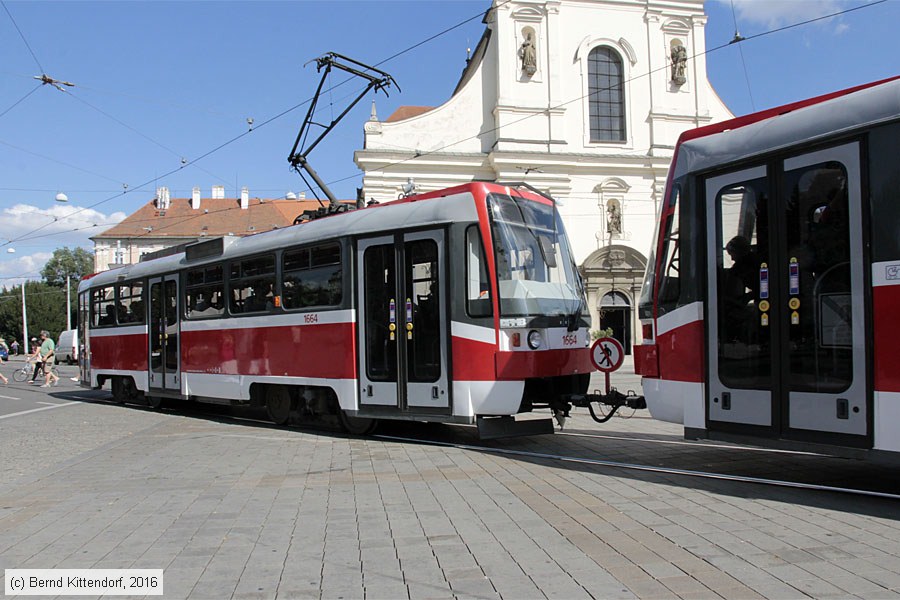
[(408, 112), (215, 217)]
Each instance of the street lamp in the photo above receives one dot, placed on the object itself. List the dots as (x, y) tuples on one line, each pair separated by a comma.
[(68, 304), (27, 345)]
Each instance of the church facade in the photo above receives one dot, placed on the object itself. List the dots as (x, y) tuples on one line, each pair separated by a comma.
[(583, 99)]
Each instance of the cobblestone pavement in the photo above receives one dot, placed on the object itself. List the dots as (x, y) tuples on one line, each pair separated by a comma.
[(242, 510)]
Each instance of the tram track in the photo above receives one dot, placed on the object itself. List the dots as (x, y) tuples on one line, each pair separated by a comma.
[(204, 410), (687, 443), (646, 468)]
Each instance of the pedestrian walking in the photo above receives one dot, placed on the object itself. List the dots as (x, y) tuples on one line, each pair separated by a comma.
[(36, 357), (48, 352), (14, 347)]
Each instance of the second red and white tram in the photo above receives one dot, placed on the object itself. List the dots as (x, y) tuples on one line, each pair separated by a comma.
[(452, 306), (770, 306)]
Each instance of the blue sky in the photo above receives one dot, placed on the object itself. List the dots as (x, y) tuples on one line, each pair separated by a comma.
[(159, 83)]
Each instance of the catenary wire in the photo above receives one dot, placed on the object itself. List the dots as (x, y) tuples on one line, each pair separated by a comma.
[(420, 154), (243, 134), (22, 35), (20, 100)]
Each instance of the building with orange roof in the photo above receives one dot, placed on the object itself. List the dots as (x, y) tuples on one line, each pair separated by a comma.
[(164, 222)]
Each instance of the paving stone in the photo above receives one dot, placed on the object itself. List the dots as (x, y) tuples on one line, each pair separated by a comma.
[(315, 515)]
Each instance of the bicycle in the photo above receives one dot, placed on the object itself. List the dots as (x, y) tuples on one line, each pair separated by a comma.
[(26, 370)]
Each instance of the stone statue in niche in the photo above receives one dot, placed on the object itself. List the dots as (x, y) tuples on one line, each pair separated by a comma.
[(679, 64), (528, 54), (613, 219)]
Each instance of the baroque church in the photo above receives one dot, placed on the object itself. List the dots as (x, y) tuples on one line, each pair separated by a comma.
[(583, 99)]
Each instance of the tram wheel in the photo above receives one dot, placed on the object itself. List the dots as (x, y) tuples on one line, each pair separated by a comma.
[(278, 404), (154, 402), (357, 425)]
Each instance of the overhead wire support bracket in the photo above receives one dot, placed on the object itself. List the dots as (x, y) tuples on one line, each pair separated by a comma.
[(378, 80), (57, 83)]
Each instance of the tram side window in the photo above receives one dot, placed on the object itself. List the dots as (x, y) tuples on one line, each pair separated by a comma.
[(670, 282), (103, 307), (252, 285), (312, 276), (478, 295), (205, 292), (130, 305)]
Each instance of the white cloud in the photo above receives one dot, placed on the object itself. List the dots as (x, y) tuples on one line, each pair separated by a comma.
[(14, 271), (54, 227), (34, 233), (778, 13)]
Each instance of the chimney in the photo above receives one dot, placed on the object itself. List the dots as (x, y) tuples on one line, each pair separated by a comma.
[(218, 192), (162, 198), (195, 198), (245, 198)]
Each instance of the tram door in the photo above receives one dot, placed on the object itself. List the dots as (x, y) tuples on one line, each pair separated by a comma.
[(165, 359), (84, 350), (786, 335), (403, 323)]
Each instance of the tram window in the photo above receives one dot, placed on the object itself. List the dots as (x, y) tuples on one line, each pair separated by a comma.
[(739, 248), (478, 295), (670, 283), (205, 292), (103, 307), (130, 305), (312, 277), (252, 285)]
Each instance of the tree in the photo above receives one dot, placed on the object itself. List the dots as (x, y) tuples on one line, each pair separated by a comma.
[(75, 263), (46, 310)]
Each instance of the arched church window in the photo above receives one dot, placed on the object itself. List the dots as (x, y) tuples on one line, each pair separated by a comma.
[(606, 95)]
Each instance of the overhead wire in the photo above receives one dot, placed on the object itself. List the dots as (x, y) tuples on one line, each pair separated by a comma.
[(20, 100), (146, 137), (22, 35), (254, 128), (421, 154), (737, 39)]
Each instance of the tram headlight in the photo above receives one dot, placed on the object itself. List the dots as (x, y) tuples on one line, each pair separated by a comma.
[(535, 339)]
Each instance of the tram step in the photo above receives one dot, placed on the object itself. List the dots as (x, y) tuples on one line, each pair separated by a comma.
[(491, 428)]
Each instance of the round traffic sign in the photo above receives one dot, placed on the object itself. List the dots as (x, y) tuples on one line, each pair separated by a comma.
[(607, 354)]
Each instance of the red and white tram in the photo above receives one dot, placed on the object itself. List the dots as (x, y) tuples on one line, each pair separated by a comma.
[(450, 306), (770, 307)]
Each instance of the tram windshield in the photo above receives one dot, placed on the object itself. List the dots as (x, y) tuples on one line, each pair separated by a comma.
[(535, 269)]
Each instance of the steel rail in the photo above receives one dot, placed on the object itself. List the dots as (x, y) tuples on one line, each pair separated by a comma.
[(586, 461), (648, 468)]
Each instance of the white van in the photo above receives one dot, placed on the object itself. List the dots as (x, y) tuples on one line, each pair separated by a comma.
[(67, 347)]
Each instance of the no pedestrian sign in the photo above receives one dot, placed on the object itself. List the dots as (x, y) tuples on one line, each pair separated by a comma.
[(607, 354)]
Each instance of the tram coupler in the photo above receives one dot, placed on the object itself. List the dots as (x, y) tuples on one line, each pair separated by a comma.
[(613, 398)]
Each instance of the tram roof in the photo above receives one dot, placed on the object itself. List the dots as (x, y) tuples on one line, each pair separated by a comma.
[(453, 205), (793, 124)]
